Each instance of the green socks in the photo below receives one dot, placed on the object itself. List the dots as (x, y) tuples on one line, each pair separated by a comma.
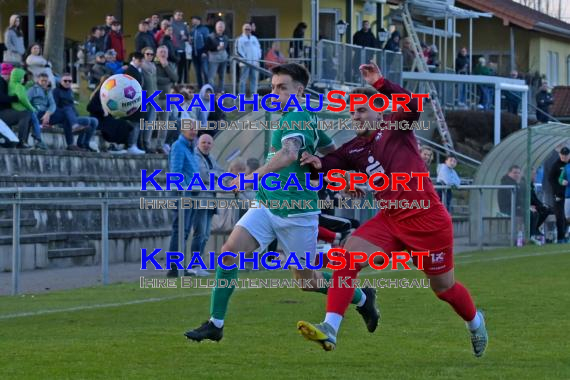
[(221, 296), (357, 292)]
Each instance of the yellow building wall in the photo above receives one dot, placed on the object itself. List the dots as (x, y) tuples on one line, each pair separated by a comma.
[(540, 47)]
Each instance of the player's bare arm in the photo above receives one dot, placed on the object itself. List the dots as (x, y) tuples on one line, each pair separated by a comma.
[(284, 157)]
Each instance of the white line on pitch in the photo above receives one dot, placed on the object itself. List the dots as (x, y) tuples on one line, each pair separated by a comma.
[(159, 299)]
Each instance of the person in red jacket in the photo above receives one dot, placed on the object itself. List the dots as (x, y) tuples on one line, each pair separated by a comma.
[(114, 40)]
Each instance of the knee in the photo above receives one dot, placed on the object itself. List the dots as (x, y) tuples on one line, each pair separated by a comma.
[(439, 287)]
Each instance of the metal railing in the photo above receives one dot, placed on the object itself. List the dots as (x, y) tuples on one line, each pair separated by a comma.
[(108, 196), (338, 63)]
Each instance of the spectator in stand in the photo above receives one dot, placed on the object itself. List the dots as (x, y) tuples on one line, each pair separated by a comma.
[(217, 46), (252, 164), (37, 64), (558, 191), (150, 86), (167, 40), (154, 24), (16, 88), (217, 116), (66, 114), (248, 48), (364, 37), (543, 101), (538, 213), (462, 62), (165, 78), (135, 70), (182, 159), (205, 92), (202, 218), (158, 35), (114, 131), (408, 54), (94, 44), (427, 155), (512, 178), (41, 97), (144, 38), (485, 92), (199, 35), (98, 70), (253, 29), (181, 34), (109, 19), (114, 41), (393, 44), (296, 47), (14, 41), (116, 67), (447, 176), (274, 57), (9, 115), (511, 98)]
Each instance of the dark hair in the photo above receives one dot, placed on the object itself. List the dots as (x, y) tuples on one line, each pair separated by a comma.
[(137, 55), (197, 18), (368, 92), (253, 163), (43, 75), (514, 167), (450, 156), (565, 151), (143, 22), (65, 75), (94, 29), (297, 72)]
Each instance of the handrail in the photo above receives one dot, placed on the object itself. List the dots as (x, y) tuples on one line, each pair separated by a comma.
[(474, 163)]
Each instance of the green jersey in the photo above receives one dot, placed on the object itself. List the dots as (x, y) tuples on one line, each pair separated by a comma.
[(300, 201)]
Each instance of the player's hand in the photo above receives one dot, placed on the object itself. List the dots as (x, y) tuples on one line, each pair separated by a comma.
[(370, 73), (564, 182), (309, 159)]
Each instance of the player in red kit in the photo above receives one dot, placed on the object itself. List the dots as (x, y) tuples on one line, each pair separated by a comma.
[(390, 151)]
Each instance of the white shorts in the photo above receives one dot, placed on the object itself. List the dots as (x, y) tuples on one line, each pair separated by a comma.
[(295, 234)]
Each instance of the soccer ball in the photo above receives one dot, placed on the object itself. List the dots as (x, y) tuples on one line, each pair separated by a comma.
[(121, 95)]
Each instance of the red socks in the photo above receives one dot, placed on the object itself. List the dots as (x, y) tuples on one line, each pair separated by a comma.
[(326, 235), (341, 293), (460, 300)]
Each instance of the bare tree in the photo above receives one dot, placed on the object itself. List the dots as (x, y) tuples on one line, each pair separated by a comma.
[(55, 33)]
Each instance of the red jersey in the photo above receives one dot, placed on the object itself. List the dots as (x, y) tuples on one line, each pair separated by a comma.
[(387, 151)]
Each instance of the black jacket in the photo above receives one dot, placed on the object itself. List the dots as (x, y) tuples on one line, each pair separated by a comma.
[(6, 100), (543, 102), (504, 196), (112, 130), (365, 39), (462, 64), (167, 41), (143, 40), (63, 97), (553, 176), (135, 73)]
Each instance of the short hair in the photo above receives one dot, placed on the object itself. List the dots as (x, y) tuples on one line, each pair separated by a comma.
[(65, 75), (43, 75), (368, 92), (137, 55), (426, 148), (196, 17), (565, 151), (450, 156), (143, 22), (512, 167), (253, 163), (297, 72), (94, 29)]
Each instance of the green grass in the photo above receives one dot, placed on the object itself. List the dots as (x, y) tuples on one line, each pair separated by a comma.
[(527, 301)]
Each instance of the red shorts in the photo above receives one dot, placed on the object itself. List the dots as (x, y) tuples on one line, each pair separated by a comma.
[(429, 231)]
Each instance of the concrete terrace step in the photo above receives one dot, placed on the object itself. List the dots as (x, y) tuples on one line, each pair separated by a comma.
[(61, 253), (67, 163)]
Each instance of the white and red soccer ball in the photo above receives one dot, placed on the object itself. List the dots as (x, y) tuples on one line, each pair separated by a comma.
[(121, 95)]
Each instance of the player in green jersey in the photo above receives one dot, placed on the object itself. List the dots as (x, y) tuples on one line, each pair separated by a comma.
[(295, 229)]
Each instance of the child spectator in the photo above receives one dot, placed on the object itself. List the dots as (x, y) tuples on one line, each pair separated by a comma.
[(113, 64), (17, 89)]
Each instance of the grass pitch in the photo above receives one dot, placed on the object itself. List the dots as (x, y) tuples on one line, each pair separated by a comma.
[(122, 331)]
